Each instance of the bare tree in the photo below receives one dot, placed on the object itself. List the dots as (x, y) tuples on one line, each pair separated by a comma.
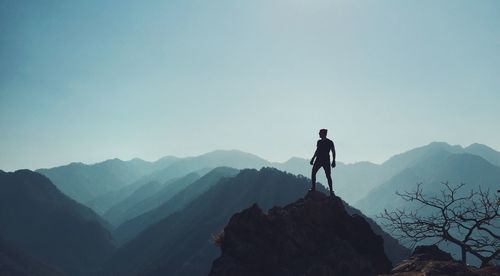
[(469, 220)]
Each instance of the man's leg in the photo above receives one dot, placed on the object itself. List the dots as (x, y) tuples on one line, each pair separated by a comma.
[(315, 169), (328, 173)]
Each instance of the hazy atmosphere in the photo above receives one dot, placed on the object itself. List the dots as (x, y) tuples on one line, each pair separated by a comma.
[(91, 80)]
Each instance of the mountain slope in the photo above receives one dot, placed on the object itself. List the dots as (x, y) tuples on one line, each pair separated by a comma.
[(134, 226), (40, 220), (179, 244), (17, 263), (218, 158), (394, 251), (485, 152), (410, 158), (470, 169), (86, 182), (147, 198), (399, 162), (178, 168)]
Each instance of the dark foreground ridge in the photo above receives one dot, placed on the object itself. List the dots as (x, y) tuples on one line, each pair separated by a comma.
[(430, 261), (312, 236)]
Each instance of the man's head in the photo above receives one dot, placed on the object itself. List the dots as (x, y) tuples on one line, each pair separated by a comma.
[(322, 133)]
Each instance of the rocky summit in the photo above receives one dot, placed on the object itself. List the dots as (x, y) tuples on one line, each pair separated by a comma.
[(312, 236)]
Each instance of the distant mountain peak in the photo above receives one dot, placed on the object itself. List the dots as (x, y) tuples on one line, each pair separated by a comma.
[(230, 152), (485, 152), (295, 159), (478, 146), (137, 159), (168, 157), (438, 144)]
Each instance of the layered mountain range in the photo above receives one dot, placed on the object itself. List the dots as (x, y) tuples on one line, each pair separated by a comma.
[(102, 186), (93, 219)]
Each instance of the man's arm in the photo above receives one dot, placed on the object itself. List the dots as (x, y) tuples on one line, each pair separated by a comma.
[(333, 155), (315, 154)]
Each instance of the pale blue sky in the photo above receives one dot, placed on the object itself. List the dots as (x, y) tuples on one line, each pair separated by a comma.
[(95, 80)]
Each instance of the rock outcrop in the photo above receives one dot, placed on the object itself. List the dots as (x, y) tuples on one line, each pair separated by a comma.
[(430, 261), (312, 236)]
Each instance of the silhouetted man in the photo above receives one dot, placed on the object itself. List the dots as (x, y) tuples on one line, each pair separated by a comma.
[(322, 156)]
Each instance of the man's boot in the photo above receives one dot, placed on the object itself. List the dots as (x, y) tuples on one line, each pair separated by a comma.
[(313, 187)]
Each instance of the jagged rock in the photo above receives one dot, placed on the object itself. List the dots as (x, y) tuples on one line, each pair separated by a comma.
[(431, 252), (312, 236), (430, 261)]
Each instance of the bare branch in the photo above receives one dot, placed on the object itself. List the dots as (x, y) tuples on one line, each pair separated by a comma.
[(470, 220)]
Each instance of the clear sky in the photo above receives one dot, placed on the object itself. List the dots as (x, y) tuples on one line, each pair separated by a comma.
[(91, 80)]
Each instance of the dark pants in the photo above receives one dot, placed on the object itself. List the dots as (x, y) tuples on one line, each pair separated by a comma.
[(328, 172)]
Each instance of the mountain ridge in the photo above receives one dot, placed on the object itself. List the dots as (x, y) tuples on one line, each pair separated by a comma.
[(169, 166), (40, 220)]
